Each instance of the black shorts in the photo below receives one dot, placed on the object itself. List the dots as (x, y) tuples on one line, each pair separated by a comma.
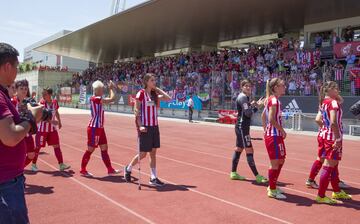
[(243, 139), (149, 140)]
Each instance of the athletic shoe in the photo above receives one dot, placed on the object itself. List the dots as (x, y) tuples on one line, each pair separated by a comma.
[(85, 173), (236, 176), (341, 195), (34, 167), (311, 184), (275, 194), (63, 167), (343, 185), (281, 191), (156, 182), (127, 175), (113, 172), (325, 200), (261, 180)]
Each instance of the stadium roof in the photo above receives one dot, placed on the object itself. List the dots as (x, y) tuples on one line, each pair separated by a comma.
[(163, 25)]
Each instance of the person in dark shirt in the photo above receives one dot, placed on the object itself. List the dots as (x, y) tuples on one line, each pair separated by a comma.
[(13, 129), (246, 109)]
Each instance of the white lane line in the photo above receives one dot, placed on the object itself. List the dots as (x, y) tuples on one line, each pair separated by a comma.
[(69, 110), (101, 195), (224, 173), (210, 154), (207, 144), (199, 192)]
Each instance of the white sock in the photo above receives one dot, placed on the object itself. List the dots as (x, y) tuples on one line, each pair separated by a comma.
[(129, 168), (153, 173)]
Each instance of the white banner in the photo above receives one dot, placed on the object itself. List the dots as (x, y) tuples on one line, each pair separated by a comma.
[(82, 95)]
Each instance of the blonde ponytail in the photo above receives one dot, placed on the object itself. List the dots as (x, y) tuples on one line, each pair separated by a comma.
[(322, 94), (270, 85), (268, 91)]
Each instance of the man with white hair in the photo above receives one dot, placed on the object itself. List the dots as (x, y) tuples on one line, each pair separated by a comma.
[(95, 130)]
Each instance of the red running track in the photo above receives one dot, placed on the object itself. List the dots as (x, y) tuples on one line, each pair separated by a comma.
[(194, 161)]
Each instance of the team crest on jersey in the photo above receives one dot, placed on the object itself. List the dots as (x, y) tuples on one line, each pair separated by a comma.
[(334, 104)]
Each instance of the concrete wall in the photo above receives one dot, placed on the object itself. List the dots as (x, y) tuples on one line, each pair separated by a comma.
[(32, 77), (41, 79), (75, 65)]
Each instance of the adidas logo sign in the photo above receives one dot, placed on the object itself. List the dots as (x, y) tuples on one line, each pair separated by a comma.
[(292, 107)]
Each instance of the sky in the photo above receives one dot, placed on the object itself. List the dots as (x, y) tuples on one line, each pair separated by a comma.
[(24, 22)]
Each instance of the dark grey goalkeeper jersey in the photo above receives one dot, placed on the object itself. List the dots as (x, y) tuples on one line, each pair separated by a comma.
[(245, 111)]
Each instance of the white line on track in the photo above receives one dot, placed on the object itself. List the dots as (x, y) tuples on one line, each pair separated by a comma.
[(214, 155), (101, 195), (204, 143), (68, 110), (212, 170), (201, 193)]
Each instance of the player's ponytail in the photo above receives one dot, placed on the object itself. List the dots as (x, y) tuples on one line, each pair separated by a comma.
[(327, 86), (267, 91), (270, 85), (322, 93)]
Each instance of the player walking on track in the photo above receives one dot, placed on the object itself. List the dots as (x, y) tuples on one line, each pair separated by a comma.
[(147, 123), (242, 129), (22, 89), (95, 131), (48, 131)]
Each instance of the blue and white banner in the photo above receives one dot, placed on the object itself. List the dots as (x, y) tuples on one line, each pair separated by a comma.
[(82, 95), (181, 104)]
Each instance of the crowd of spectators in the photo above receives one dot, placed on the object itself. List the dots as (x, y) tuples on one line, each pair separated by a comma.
[(219, 73), (26, 67)]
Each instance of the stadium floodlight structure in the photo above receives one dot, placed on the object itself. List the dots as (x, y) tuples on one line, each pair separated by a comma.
[(115, 6)]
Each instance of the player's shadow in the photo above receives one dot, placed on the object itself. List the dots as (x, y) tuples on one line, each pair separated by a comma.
[(299, 200), (280, 184), (112, 179), (307, 202), (350, 204), (166, 188), (37, 189), (353, 191), (66, 173)]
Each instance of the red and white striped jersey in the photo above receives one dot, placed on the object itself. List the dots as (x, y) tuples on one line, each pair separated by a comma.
[(97, 112), (339, 74), (270, 129), (321, 132), (321, 129), (15, 102), (149, 116), (308, 57), (45, 126), (327, 106)]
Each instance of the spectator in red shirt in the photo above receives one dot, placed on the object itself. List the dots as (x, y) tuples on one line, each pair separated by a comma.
[(13, 129)]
